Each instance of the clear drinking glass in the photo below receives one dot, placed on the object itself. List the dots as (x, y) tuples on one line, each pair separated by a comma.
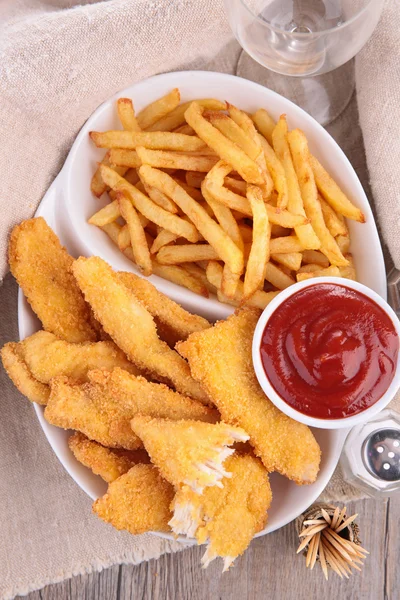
[(305, 39)]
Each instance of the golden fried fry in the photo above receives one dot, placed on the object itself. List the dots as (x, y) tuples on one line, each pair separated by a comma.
[(12, 357), (177, 117), (259, 252), (175, 160), (130, 140), (131, 326), (46, 357), (140, 249), (138, 501), (240, 507), (159, 109), (126, 114), (42, 268), (109, 463), (221, 358), (188, 452), (264, 123)]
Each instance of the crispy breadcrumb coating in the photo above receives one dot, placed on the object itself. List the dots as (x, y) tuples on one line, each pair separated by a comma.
[(107, 462), (71, 407), (221, 359), (188, 452), (228, 518), (42, 268), (138, 501), (119, 393), (173, 322), (13, 361), (132, 327), (48, 357)]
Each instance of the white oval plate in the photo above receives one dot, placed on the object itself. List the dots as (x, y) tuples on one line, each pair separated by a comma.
[(69, 203)]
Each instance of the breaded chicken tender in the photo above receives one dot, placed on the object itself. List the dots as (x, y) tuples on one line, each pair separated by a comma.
[(138, 501), (221, 359), (46, 356), (132, 327), (106, 462), (188, 452), (13, 361), (70, 407), (226, 518), (42, 268), (122, 394), (173, 322)]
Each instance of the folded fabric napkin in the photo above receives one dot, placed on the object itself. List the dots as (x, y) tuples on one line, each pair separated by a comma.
[(59, 62)]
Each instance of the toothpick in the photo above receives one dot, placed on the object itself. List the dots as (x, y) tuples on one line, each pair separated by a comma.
[(346, 523), (315, 550), (322, 559), (312, 530)]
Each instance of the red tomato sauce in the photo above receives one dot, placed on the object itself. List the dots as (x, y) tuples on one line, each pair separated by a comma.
[(329, 351)]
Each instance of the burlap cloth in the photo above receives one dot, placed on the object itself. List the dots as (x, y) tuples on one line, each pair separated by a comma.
[(59, 61)]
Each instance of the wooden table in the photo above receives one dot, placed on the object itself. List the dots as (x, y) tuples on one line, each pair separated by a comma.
[(269, 570)]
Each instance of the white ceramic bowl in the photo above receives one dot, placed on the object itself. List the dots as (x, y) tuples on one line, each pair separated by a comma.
[(69, 202), (270, 391)]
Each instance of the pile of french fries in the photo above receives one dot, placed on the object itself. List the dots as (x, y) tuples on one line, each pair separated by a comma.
[(219, 201)]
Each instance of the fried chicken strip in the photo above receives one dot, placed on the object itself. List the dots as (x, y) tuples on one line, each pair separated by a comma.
[(13, 362), (70, 407), (173, 322), (124, 395), (106, 462), (188, 452), (47, 356), (42, 268), (138, 501), (221, 359), (226, 518), (132, 327)]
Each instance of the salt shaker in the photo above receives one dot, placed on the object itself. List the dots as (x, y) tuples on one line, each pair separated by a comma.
[(371, 455)]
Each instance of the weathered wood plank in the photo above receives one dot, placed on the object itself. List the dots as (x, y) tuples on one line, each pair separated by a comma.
[(269, 569)]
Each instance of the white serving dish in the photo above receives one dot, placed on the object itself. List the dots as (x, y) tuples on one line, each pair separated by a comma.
[(69, 202), (346, 422)]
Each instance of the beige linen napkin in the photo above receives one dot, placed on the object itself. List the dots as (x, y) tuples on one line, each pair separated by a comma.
[(59, 62)]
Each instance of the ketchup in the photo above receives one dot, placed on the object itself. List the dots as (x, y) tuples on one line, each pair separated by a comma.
[(329, 351)]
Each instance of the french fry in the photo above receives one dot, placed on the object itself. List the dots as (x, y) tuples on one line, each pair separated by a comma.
[(174, 255), (277, 172), (172, 160), (125, 158), (300, 154), (259, 299), (305, 233), (148, 208), (233, 132), (315, 257), (279, 231), (264, 123), (285, 245), (331, 271), (138, 239), (192, 191), (332, 193), (124, 238), (259, 253), (278, 277), (335, 225), (158, 109), (131, 176), (126, 114), (163, 238), (106, 215), (226, 149), (97, 185), (246, 232), (247, 125), (235, 186), (160, 199), (291, 260), (224, 217), (157, 140), (209, 229), (343, 241), (310, 268), (229, 282), (186, 129), (349, 272), (200, 273), (177, 117), (182, 277)]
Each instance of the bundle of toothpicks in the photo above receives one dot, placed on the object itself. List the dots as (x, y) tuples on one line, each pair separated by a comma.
[(331, 538)]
